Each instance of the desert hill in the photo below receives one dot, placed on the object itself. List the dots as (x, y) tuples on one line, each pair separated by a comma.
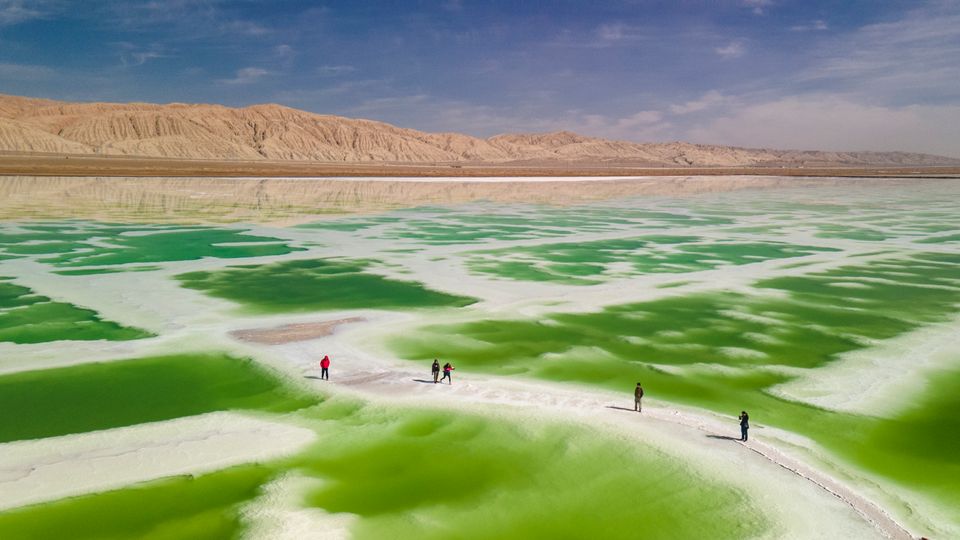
[(275, 132)]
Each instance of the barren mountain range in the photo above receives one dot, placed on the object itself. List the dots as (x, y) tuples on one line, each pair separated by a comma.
[(275, 132)]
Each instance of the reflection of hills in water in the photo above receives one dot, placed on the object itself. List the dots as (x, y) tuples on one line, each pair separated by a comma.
[(274, 132), (279, 200)]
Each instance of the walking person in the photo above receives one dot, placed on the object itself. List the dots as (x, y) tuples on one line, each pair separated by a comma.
[(744, 425), (436, 371), (637, 395), (325, 368), (447, 368)]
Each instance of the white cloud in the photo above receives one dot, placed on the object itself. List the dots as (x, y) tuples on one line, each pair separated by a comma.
[(734, 49), (642, 118), (452, 5), (135, 55), (706, 101), (833, 122), (759, 7), (908, 59), (608, 35), (389, 103), (18, 11), (335, 70), (284, 55), (246, 75), (284, 51), (246, 28), (818, 25), (25, 72)]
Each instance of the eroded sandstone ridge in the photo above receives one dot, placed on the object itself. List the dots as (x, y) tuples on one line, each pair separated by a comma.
[(275, 132)]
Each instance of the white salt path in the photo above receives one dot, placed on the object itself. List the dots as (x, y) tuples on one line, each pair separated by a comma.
[(797, 493), (42, 470), (278, 514)]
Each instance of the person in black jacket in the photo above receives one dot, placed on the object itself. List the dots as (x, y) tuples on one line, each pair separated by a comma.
[(637, 395), (744, 425)]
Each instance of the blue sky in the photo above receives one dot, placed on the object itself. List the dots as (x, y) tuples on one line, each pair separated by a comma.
[(807, 74)]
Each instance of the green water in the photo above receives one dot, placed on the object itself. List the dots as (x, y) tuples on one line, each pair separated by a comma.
[(311, 285), (422, 474), (27, 317), (852, 233), (586, 263), (940, 239), (411, 474), (727, 345), (481, 223), (180, 508), (433, 474), (92, 244), (94, 396), (175, 246)]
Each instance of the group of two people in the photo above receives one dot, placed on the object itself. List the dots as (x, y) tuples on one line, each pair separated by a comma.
[(447, 368), (744, 417)]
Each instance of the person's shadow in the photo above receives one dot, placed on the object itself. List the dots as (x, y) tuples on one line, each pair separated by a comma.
[(620, 408), (312, 377), (423, 381), (723, 437)]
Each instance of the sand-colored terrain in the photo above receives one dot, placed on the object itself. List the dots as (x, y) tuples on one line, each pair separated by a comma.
[(289, 333), (278, 133)]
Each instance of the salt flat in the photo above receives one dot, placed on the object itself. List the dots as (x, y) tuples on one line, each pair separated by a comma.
[(825, 308)]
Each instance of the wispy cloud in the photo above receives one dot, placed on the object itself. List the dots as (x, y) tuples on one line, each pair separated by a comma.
[(734, 49), (706, 101), (26, 72), (452, 5), (184, 19), (615, 34), (914, 58), (818, 25), (132, 55), (18, 11), (608, 35), (759, 7), (334, 70), (244, 28), (247, 75), (390, 103)]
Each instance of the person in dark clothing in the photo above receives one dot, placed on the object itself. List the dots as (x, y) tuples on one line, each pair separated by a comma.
[(325, 368), (436, 371), (744, 425), (637, 394), (447, 368)]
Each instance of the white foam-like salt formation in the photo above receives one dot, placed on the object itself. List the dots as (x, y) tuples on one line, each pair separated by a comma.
[(40, 470)]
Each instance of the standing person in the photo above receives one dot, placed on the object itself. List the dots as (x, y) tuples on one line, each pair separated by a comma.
[(447, 368), (637, 394), (436, 371), (325, 368), (744, 425)]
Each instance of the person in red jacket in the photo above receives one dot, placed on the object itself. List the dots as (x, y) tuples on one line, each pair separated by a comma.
[(447, 368), (325, 368)]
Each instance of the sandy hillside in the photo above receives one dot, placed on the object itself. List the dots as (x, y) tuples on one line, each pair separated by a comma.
[(275, 132)]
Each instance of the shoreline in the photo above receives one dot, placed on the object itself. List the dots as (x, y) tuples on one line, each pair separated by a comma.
[(14, 164)]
